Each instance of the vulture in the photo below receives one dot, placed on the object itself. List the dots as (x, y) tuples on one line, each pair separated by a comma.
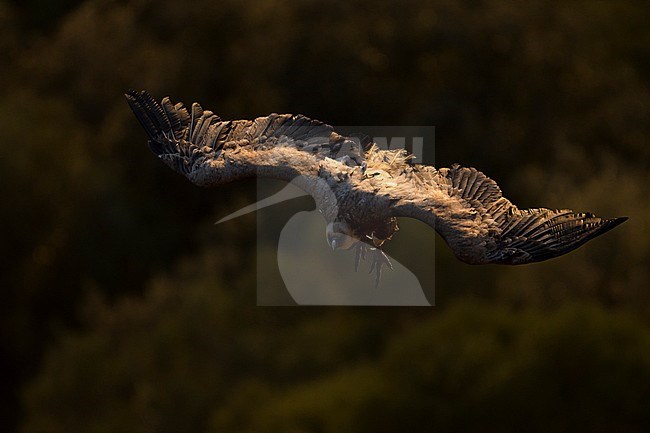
[(359, 188)]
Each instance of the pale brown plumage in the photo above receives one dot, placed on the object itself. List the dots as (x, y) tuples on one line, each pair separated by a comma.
[(360, 189)]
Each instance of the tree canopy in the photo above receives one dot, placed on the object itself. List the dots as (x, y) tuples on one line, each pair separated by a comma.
[(125, 309)]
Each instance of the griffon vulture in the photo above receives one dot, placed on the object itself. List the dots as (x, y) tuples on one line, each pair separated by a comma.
[(360, 189)]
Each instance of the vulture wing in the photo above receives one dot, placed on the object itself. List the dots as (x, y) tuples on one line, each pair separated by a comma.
[(283, 146), (464, 206)]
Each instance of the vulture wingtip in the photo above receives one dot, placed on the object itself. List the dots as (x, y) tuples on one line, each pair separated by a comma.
[(131, 94), (610, 223)]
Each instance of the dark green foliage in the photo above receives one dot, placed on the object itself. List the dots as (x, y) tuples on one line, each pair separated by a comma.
[(192, 357), (550, 99)]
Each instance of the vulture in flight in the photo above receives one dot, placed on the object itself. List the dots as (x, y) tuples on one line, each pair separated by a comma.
[(360, 189)]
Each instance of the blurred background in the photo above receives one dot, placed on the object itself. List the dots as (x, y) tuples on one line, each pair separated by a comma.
[(124, 309)]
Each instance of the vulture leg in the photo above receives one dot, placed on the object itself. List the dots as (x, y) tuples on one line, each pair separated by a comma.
[(378, 260), (359, 254)]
